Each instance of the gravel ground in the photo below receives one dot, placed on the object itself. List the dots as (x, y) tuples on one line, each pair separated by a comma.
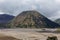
[(28, 34)]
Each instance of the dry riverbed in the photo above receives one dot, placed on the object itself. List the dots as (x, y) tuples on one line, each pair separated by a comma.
[(28, 34)]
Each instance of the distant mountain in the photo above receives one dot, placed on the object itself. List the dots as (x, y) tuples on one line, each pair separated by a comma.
[(57, 21), (4, 19), (32, 19)]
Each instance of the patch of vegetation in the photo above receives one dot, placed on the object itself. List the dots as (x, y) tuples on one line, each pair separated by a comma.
[(26, 25), (52, 38), (22, 26)]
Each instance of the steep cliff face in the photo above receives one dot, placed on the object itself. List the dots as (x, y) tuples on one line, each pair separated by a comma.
[(32, 19)]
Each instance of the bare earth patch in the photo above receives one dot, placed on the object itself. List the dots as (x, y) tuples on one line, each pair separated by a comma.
[(25, 34), (4, 37), (8, 38)]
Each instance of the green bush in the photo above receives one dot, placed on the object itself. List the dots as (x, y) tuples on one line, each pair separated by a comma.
[(52, 38)]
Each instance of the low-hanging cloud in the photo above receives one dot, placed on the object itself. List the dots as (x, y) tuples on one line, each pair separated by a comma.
[(49, 8)]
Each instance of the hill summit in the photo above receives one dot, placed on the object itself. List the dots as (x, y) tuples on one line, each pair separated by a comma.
[(32, 19)]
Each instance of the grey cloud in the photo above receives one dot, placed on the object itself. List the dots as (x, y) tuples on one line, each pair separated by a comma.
[(48, 8)]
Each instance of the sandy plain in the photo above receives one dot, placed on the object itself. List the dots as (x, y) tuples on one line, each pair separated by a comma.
[(27, 34)]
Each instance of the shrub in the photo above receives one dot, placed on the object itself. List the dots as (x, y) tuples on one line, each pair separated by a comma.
[(52, 38)]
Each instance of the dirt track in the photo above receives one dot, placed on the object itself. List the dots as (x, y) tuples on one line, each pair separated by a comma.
[(28, 34)]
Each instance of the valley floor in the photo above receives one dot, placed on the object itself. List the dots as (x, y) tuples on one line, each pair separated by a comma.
[(28, 34)]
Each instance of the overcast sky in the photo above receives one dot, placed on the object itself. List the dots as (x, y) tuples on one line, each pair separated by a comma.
[(49, 8)]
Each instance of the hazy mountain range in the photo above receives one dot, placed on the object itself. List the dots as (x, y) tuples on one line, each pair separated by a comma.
[(4, 19), (57, 21)]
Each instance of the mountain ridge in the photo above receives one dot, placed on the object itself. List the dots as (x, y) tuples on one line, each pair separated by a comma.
[(57, 21), (4, 19), (32, 19)]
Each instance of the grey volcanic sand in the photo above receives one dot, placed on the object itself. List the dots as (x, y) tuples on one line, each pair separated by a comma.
[(28, 34)]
